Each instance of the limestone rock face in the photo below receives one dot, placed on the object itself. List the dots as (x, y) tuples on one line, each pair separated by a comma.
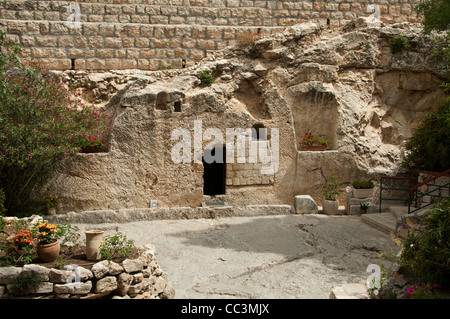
[(343, 85)]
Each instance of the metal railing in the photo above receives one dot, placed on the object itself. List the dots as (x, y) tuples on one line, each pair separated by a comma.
[(397, 189), (414, 195), (433, 191)]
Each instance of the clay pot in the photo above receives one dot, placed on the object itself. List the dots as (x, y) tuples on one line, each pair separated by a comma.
[(314, 147), (48, 252), (94, 239)]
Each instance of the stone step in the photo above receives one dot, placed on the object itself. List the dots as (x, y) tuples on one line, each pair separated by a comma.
[(398, 212), (349, 291), (382, 221)]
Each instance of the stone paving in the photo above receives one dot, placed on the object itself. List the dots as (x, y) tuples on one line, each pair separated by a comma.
[(276, 256)]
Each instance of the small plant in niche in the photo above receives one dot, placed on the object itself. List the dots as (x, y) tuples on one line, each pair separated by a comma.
[(399, 43), (206, 79)]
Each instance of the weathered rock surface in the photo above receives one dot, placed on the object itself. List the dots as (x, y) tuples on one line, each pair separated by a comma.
[(344, 85)]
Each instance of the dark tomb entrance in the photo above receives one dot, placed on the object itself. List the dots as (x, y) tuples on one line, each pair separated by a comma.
[(214, 171)]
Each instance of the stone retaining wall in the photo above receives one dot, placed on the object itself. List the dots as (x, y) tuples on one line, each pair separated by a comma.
[(139, 278), (160, 34)]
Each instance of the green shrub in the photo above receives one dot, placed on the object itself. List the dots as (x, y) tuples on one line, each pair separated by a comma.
[(116, 245), (206, 79), (399, 43), (26, 282), (426, 251), (362, 184), (429, 147), (41, 122)]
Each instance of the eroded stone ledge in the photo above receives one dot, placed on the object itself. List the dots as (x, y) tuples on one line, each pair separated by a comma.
[(137, 214)]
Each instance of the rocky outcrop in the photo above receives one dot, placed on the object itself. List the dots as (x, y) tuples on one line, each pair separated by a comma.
[(344, 85)]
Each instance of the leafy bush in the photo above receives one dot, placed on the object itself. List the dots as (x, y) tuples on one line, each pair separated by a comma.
[(206, 79), (429, 147), (116, 245), (26, 281), (423, 290), (332, 185), (362, 184), (41, 122), (426, 251), (399, 43)]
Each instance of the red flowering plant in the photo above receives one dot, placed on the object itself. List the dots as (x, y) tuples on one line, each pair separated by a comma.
[(23, 239), (310, 140), (90, 144), (19, 248), (50, 200), (41, 120)]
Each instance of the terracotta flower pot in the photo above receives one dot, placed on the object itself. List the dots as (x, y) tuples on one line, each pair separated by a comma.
[(314, 147), (48, 252), (94, 239)]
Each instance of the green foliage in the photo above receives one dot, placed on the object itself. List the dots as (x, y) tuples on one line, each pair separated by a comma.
[(436, 17), (206, 79), (68, 234), (332, 185), (2, 202), (26, 282), (423, 290), (362, 184), (429, 147), (426, 251), (436, 14), (116, 245), (399, 43), (41, 122)]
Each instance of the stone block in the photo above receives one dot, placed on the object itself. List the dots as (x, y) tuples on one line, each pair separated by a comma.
[(78, 288), (305, 204), (349, 291), (8, 274), (132, 265), (107, 284)]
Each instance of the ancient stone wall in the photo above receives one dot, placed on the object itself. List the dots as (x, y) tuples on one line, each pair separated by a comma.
[(161, 34)]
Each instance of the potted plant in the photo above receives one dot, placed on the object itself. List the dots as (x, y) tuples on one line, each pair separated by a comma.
[(363, 208), (48, 247), (50, 202), (311, 143), (91, 145), (21, 244), (332, 186), (362, 188)]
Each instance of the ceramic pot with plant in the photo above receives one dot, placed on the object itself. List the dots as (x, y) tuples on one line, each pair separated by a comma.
[(363, 208), (48, 247), (50, 202), (21, 243), (312, 143), (362, 188), (331, 188)]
